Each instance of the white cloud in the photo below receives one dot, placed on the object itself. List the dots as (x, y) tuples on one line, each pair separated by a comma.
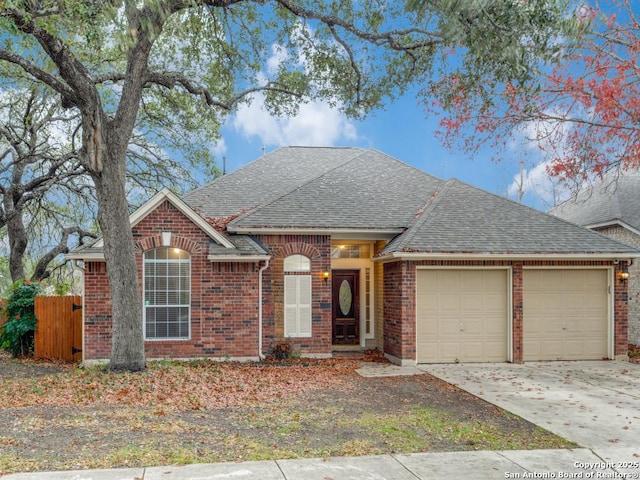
[(317, 124), (279, 55), (533, 181), (540, 141), (219, 148)]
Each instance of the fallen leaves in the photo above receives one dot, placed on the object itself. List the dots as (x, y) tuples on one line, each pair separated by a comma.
[(171, 386)]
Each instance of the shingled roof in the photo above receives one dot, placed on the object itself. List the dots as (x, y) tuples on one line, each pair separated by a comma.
[(333, 189), (370, 191), (360, 193), (266, 179), (613, 200), (461, 219)]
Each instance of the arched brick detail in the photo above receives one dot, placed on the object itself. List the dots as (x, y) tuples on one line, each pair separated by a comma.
[(183, 243), (297, 249)]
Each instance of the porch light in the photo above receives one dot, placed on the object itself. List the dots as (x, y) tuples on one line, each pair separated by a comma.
[(622, 276), (325, 275)]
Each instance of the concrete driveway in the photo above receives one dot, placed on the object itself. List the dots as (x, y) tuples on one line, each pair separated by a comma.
[(595, 404)]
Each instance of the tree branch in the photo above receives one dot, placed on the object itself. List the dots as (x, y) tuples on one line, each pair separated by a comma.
[(62, 247), (172, 80), (39, 74)]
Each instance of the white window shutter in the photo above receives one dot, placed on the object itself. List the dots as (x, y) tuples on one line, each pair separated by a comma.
[(297, 305), (304, 306), (290, 306)]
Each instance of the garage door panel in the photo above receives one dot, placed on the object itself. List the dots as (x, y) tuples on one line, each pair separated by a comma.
[(472, 352), (471, 303), (565, 314), (495, 351), (496, 329), (463, 315), (447, 352), (448, 328)]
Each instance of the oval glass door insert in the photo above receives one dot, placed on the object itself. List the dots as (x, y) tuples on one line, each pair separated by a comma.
[(345, 297)]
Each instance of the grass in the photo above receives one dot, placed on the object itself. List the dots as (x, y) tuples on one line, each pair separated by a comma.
[(181, 413)]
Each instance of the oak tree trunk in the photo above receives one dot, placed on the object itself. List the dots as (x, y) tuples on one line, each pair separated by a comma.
[(18, 240), (127, 350)]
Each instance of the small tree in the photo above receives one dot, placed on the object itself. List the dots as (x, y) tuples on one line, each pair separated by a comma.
[(17, 334)]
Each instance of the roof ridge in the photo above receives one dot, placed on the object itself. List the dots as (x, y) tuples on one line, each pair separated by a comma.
[(359, 152), (421, 215), (226, 175)]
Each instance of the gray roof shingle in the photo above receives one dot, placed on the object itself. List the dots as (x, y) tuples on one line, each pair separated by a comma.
[(370, 191), (611, 200), (460, 218), (329, 189), (266, 179)]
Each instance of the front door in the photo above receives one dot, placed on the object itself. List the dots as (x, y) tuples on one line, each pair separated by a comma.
[(346, 302)]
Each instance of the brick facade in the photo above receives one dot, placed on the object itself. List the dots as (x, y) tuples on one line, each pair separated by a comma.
[(224, 296), (400, 303), (318, 249), (625, 235)]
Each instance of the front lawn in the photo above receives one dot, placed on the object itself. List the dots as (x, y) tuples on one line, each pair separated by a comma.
[(59, 417)]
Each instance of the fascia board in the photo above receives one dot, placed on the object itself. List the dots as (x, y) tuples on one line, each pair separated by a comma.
[(237, 258), (504, 256)]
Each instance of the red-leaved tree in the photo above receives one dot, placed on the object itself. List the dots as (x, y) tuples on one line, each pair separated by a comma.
[(584, 114)]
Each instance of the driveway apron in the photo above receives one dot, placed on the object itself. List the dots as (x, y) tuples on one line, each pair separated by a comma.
[(594, 404)]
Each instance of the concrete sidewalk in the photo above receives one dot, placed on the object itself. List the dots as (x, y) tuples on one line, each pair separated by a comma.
[(578, 463)]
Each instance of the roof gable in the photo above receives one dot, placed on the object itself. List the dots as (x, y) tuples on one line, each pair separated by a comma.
[(166, 194)]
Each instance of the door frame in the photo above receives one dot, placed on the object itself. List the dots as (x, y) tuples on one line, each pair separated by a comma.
[(356, 272)]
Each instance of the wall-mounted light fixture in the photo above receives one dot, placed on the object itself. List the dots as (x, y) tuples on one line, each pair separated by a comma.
[(325, 275), (622, 276)]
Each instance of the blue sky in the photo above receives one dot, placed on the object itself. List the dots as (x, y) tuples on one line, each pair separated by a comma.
[(401, 130)]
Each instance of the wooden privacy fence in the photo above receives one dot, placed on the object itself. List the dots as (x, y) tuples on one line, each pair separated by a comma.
[(59, 329)]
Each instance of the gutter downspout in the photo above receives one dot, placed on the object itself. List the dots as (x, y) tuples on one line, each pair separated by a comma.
[(75, 264), (262, 269)]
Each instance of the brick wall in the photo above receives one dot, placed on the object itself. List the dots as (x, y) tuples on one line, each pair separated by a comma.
[(224, 296), (626, 236), (318, 249), (400, 303), (400, 310)]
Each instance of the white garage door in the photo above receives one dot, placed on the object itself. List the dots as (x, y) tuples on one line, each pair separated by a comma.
[(461, 316), (565, 314)]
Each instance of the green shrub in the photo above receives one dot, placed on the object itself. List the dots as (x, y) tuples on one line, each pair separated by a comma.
[(17, 334)]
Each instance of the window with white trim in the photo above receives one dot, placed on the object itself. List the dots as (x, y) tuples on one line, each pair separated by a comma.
[(297, 296), (167, 294)]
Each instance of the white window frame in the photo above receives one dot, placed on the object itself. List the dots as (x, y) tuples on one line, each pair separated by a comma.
[(148, 295), (297, 296)]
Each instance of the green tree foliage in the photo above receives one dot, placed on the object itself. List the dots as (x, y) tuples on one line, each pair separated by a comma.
[(164, 67), (17, 334)]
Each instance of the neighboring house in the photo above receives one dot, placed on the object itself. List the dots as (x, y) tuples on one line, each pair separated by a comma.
[(612, 208), (343, 248)]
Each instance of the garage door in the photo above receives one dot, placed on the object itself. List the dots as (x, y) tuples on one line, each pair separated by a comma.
[(461, 316), (565, 314)]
